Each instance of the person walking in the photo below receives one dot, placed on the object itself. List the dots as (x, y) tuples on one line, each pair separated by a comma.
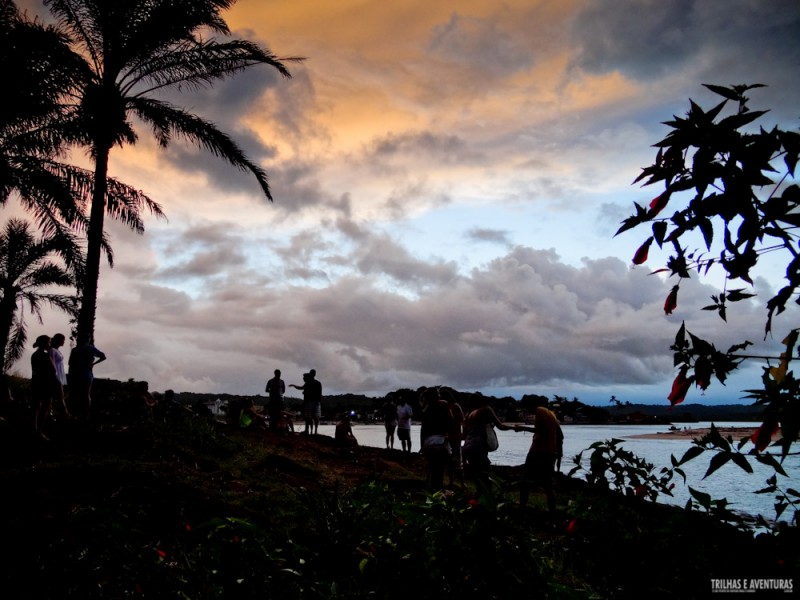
[(275, 391), (478, 426)]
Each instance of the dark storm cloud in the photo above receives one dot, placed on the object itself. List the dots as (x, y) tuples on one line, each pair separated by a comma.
[(378, 254), (640, 37), (203, 251), (382, 256), (524, 319), (424, 146), (647, 39)]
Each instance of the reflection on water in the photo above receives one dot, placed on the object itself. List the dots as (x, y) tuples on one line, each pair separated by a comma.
[(728, 482)]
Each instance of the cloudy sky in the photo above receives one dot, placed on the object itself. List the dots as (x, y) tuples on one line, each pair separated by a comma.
[(448, 178)]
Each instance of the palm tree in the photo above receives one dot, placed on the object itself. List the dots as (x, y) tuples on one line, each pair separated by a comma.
[(135, 49), (39, 63), (26, 269)]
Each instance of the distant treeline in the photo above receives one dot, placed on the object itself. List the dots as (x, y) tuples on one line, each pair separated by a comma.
[(118, 398), (509, 408)]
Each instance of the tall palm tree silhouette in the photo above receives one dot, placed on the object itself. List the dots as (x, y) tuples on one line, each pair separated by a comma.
[(134, 49), (27, 274), (39, 66)]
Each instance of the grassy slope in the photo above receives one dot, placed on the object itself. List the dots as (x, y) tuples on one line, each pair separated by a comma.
[(192, 510)]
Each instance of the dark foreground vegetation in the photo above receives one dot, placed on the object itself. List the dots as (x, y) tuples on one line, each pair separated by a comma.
[(184, 507)]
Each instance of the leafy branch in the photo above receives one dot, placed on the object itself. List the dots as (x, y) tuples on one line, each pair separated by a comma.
[(734, 187)]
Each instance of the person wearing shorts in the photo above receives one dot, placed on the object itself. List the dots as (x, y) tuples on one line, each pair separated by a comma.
[(390, 421), (404, 414)]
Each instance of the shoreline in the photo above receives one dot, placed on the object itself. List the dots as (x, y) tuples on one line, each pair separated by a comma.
[(683, 434)]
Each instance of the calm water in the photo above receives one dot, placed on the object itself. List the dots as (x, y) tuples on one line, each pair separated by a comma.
[(728, 482)]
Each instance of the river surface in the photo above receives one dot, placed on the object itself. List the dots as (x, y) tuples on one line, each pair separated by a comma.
[(729, 482)]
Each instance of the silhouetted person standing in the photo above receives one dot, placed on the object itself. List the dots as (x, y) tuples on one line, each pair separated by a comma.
[(540, 464), (275, 391), (312, 401), (56, 342), (389, 420), (314, 398), (404, 414), (436, 426), (43, 384), (82, 360)]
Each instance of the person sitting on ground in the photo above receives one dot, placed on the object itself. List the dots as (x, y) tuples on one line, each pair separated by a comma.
[(344, 433), (285, 422), (149, 404), (250, 417)]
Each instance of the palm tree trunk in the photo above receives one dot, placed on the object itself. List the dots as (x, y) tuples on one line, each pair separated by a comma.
[(8, 305), (88, 311)]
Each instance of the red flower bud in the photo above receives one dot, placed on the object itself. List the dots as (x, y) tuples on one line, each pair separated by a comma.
[(680, 386), (671, 302), (763, 435), (572, 526), (641, 253), (658, 203)]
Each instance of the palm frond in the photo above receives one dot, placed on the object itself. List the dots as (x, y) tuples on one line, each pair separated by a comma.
[(15, 345), (125, 204), (200, 64), (167, 120)]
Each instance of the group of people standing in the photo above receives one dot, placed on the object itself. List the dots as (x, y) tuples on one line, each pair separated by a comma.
[(312, 402), (452, 440), (51, 385)]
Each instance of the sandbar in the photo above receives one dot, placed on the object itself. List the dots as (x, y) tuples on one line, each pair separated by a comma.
[(682, 434)]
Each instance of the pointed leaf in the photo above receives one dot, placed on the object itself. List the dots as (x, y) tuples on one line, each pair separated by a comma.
[(717, 461), (703, 499), (692, 453), (741, 119), (722, 91), (769, 460), (741, 461)]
